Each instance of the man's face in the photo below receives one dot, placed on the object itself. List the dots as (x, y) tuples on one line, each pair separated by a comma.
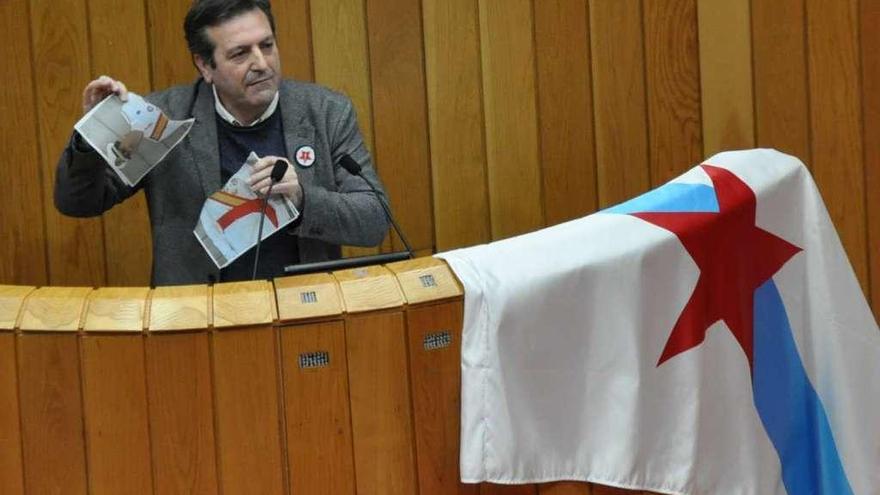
[(248, 69)]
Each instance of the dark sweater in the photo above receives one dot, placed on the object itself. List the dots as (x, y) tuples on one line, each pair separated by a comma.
[(235, 144)]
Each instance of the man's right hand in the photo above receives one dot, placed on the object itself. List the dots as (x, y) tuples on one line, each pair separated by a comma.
[(99, 89)]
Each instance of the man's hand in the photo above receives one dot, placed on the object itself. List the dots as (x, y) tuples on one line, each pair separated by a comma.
[(288, 185), (99, 89)]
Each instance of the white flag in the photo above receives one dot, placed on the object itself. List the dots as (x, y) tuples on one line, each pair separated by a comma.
[(707, 337)]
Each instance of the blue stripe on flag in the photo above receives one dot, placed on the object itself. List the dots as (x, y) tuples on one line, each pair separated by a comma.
[(788, 405), (671, 197)]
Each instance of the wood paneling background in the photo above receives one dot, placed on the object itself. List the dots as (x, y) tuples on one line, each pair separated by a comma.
[(487, 118)]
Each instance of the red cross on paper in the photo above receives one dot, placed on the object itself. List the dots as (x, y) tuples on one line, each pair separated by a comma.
[(246, 208)]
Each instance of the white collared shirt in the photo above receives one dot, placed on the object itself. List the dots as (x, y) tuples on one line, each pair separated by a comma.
[(228, 117)]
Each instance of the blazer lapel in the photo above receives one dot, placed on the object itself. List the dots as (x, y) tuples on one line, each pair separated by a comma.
[(297, 132), (203, 138)]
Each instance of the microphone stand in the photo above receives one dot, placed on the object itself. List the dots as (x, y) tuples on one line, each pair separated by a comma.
[(260, 230), (277, 174), (354, 168), (409, 250)]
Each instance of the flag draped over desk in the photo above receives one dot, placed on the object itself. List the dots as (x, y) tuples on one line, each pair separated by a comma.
[(708, 337)]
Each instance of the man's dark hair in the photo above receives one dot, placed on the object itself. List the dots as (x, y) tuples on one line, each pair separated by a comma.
[(209, 13)]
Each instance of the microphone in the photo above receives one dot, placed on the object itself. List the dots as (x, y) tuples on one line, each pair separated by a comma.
[(354, 168), (277, 174), (278, 171)]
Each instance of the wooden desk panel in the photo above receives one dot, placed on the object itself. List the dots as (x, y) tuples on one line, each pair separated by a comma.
[(115, 409), (318, 418), (249, 442), (381, 408), (434, 340), (11, 474), (321, 402), (51, 414), (181, 407)]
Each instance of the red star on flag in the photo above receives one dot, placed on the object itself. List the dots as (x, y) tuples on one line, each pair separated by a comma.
[(734, 256)]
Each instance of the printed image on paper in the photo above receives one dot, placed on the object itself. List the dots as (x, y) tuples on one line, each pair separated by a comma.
[(132, 136), (230, 218)]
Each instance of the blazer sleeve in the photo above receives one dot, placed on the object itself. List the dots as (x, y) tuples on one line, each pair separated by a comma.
[(352, 214), (84, 184)]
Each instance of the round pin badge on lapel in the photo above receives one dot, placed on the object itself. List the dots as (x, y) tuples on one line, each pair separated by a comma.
[(305, 156)]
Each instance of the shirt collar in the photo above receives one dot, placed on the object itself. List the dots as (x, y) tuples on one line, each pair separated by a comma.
[(228, 117)]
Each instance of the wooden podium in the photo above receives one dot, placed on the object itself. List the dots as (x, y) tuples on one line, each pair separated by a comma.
[(343, 383)]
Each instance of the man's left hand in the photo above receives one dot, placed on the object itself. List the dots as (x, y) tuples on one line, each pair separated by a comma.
[(288, 185)]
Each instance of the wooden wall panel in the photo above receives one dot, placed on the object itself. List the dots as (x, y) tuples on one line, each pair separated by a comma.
[(568, 155), (61, 48), (23, 249), (619, 98), (341, 55), (115, 408), (181, 414), (836, 121), (455, 112), (51, 414), (127, 239), (11, 473), (381, 410), (512, 147), (726, 75), (248, 425), (339, 40), (397, 70), (870, 36), (170, 61), (782, 114), (672, 72), (517, 103), (293, 30), (319, 443)]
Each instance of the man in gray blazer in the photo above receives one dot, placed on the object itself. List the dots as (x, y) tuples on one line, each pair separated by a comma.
[(240, 104)]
